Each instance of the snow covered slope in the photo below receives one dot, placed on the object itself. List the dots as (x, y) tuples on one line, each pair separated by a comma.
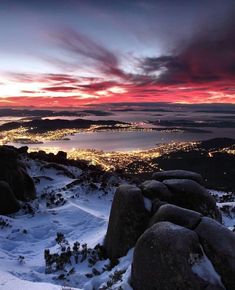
[(75, 207)]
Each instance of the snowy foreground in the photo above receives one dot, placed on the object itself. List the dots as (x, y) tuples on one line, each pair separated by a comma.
[(81, 215)]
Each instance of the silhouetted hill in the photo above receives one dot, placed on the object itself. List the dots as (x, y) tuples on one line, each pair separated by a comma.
[(41, 126), (217, 143)]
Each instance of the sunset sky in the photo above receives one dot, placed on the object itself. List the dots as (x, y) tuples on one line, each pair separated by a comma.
[(69, 53)]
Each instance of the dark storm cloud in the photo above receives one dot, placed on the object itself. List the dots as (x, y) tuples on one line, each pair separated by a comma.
[(209, 56), (59, 89), (98, 86), (82, 46), (152, 64), (89, 88)]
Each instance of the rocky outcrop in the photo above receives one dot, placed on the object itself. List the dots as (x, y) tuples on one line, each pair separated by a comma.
[(127, 221), (178, 174), (161, 263), (8, 202), (178, 243), (177, 215), (219, 245), (153, 189), (59, 158), (191, 195), (164, 259), (20, 185)]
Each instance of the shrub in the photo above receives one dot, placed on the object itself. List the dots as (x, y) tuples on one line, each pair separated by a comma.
[(72, 254)]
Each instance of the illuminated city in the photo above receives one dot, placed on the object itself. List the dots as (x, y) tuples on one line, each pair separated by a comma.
[(23, 135), (128, 161), (140, 161)]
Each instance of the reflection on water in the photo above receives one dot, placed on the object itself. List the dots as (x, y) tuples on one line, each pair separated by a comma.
[(8, 119), (126, 141), (134, 140)]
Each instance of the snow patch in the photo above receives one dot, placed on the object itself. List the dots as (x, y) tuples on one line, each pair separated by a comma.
[(10, 282), (205, 270), (148, 204), (124, 265)]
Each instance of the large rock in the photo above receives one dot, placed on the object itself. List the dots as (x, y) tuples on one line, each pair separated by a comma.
[(22, 184), (165, 257), (128, 220), (178, 174), (219, 245), (29, 187), (153, 189), (8, 153), (61, 156), (14, 173), (8, 202), (177, 215), (23, 150), (191, 195)]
